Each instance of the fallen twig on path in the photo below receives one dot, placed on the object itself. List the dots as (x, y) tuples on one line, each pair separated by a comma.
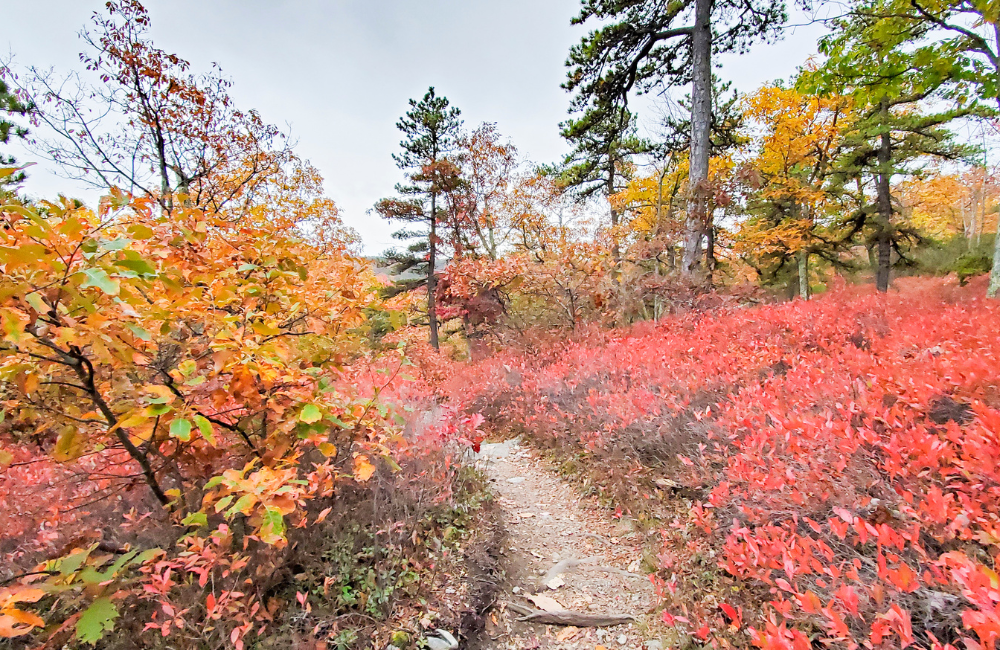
[(563, 566), (571, 563), (576, 619), (623, 572)]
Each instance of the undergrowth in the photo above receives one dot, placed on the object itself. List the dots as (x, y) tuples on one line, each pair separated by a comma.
[(822, 472)]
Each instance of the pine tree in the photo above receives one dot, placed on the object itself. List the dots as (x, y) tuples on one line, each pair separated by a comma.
[(11, 105), (966, 36), (872, 59), (431, 130), (643, 44), (602, 150)]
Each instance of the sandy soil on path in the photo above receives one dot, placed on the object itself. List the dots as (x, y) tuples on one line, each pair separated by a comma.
[(565, 548)]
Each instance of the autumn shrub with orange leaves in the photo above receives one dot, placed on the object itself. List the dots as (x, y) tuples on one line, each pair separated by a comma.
[(840, 459), (186, 398)]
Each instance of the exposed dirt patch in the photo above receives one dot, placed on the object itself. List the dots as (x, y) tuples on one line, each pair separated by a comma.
[(568, 550)]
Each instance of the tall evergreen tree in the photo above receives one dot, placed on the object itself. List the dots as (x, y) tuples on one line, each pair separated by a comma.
[(965, 35), (871, 58), (431, 130), (644, 44), (602, 150), (11, 106)]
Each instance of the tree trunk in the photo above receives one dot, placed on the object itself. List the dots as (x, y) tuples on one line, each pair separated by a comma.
[(995, 271), (701, 124), (968, 228), (884, 234), (616, 252), (804, 274), (657, 228), (431, 279), (994, 286), (884, 262), (710, 250), (982, 206)]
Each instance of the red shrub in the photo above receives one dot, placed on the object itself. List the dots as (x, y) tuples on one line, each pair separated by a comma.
[(848, 448)]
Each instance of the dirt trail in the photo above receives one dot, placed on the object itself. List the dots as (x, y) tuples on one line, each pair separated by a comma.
[(555, 536)]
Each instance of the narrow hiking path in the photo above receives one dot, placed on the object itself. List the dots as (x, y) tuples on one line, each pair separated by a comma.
[(567, 551)]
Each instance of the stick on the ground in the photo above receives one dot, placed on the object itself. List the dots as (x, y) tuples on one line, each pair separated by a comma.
[(569, 564), (576, 619), (520, 609), (563, 566), (621, 572)]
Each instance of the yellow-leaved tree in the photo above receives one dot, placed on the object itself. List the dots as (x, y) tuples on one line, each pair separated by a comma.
[(796, 136)]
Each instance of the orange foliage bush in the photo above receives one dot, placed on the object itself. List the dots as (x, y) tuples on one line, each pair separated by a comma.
[(179, 371)]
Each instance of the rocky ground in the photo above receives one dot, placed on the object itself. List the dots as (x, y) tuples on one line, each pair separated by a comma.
[(564, 558)]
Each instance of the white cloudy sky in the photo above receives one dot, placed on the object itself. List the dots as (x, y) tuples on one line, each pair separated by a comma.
[(339, 73)]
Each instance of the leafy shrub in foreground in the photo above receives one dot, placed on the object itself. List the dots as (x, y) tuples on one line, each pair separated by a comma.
[(186, 386)]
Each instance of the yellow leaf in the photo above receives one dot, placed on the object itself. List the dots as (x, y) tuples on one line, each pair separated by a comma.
[(328, 449), (161, 392), (310, 413), (363, 469), (69, 445), (265, 330), (992, 575)]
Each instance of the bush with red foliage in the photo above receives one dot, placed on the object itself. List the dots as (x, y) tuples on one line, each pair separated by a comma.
[(846, 451)]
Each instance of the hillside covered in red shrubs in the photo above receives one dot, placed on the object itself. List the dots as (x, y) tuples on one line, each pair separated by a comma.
[(822, 471)]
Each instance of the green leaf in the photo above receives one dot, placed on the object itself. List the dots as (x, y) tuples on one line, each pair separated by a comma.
[(243, 505), (142, 267), (139, 332), (215, 481), (181, 429), (223, 503), (207, 432), (91, 576), (139, 231), (119, 564), (272, 528), (98, 277), (36, 302), (310, 413), (96, 621), (71, 563), (158, 409), (195, 519), (116, 244)]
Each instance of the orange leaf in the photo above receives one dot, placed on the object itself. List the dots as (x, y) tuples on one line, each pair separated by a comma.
[(363, 469)]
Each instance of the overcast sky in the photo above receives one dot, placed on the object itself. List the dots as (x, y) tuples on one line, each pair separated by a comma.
[(339, 73)]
